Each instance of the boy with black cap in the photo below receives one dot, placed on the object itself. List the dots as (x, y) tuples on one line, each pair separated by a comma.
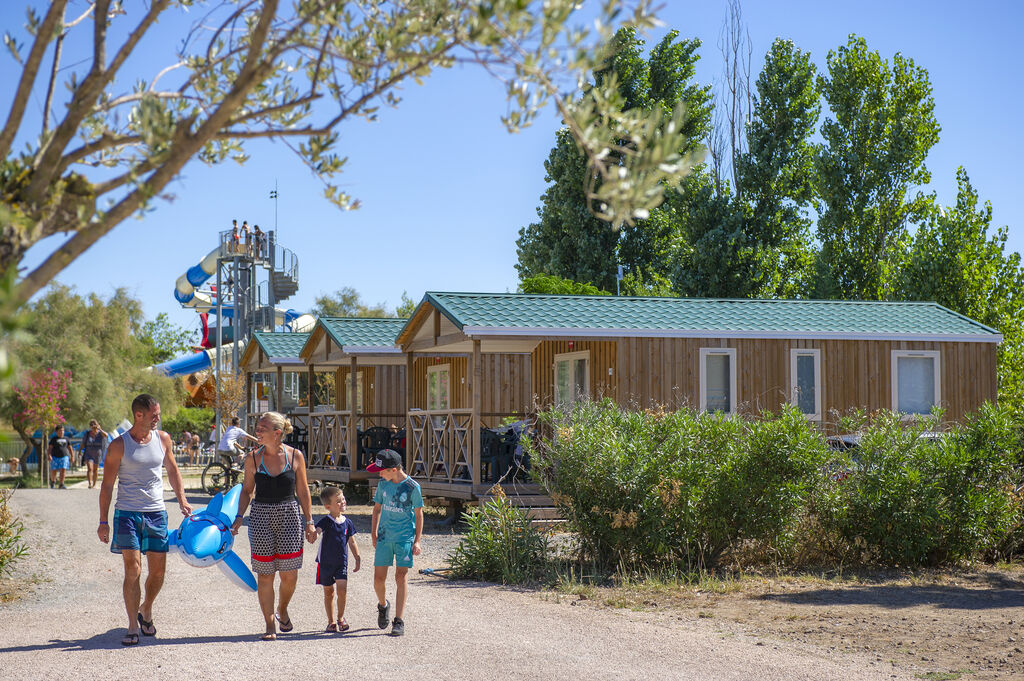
[(395, 530)]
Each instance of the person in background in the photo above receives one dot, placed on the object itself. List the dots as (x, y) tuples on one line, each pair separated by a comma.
[(60, 457), (229, 449), (93, 442)]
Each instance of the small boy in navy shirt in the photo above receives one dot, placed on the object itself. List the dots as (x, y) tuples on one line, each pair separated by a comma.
[(337, 537)]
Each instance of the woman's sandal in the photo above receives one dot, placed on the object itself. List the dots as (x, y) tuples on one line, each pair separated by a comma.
[(332, 628), (131, 639), (285, 627), (342, 625), (146, 624)]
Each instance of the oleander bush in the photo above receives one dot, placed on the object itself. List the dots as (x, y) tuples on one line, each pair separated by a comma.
[(654, 488), (11, 545), (649, 489), (918, 500), (500, 545)]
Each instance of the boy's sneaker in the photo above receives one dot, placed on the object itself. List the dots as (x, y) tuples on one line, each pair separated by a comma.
[(63, 487), (383, 614), (51, 485), (398, 627)]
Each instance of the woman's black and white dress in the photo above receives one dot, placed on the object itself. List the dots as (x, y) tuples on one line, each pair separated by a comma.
[(275, 522)]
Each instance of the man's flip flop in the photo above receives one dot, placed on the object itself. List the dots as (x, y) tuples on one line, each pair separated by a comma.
[(285, 627), (146, 625), (130, 640)]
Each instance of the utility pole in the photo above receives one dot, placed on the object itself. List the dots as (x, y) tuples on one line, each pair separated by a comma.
[(273, 195)]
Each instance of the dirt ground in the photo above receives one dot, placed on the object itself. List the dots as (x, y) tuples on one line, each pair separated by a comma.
[(932, 625)]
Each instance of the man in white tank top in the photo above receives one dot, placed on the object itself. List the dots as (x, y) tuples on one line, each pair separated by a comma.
[(140, 517)]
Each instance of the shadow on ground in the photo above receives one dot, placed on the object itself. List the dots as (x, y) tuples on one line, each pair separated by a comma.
[(979, 592)]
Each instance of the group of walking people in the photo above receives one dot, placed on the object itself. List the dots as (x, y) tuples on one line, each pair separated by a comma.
[(61, 451), (276, 494)]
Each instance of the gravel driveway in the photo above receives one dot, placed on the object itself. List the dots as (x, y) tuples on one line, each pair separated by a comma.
[(70, 620)]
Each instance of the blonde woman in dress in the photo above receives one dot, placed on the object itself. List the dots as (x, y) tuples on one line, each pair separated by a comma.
[(281, 515)]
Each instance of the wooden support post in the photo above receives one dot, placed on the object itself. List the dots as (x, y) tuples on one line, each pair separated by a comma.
[(409, 392), (248, 398), (353, 410), (279, 391), (477, 372), (339, 390)]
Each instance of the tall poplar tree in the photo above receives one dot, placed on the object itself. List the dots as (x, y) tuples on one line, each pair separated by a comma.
[(870, 166)]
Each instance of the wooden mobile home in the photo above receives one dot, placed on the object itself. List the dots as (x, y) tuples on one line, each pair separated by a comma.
[(358, 360), (474, 358), (275, 379)]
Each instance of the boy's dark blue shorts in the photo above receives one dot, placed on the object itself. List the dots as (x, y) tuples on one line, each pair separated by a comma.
[(327, 575)]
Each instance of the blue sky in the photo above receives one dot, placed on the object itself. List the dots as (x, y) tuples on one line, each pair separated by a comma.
[(445, 188)]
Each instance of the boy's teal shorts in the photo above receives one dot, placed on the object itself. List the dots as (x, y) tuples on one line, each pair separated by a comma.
[(388, 553)]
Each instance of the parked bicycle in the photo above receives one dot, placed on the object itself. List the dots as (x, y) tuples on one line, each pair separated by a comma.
[(220, 476)]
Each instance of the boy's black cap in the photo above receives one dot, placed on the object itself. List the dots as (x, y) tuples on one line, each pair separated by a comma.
[(385, 458)]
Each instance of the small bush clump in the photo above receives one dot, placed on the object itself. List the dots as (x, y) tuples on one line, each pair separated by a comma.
[(500, 545), (11, 546)]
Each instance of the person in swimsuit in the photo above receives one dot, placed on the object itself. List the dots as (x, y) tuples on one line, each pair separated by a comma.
[(281, 514), (92, 451), (135, 462)]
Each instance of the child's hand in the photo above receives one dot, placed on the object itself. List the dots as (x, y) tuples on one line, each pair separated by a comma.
[(415, 548), (356, 568)]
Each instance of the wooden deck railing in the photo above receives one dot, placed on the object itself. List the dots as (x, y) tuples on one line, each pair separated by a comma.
[(439, 444), (329, 437)]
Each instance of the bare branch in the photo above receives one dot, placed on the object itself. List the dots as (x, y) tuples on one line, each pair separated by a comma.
[(58, 49), (28, 74), (47, 160)]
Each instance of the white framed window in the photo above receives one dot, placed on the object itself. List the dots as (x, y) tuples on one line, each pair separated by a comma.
[(805, 381), (439, 387), (916, 381), (572, 377), (359, 390), (718, 379)]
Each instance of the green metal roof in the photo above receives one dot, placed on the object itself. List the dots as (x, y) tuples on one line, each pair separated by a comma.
[(480, 314), (363, 333), (281, 344)]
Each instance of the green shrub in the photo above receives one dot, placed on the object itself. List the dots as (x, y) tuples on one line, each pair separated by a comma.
[(192, 419), (650, 488), (500, 545), (914, 500), (11, 546)]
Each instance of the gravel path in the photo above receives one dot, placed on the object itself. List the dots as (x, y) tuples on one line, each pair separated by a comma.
[(70, 620)]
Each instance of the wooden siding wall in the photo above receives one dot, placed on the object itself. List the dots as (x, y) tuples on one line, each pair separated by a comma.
[(506, 385), (854, 373), (603, 356), (383, 389)]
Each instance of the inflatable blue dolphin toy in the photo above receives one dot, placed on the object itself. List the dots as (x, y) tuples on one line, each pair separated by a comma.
[(204, 539)]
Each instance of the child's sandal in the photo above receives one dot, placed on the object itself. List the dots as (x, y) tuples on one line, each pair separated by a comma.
[(332, 628), (342, 625)]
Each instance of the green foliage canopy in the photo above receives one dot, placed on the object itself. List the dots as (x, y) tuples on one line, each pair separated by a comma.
[(569, 241), (872, 158), (99, 342)]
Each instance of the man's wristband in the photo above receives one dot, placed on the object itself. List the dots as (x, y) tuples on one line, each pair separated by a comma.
[(104, 522)]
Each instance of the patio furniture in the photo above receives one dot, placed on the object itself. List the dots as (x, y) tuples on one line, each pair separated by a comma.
[(371, 441)]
